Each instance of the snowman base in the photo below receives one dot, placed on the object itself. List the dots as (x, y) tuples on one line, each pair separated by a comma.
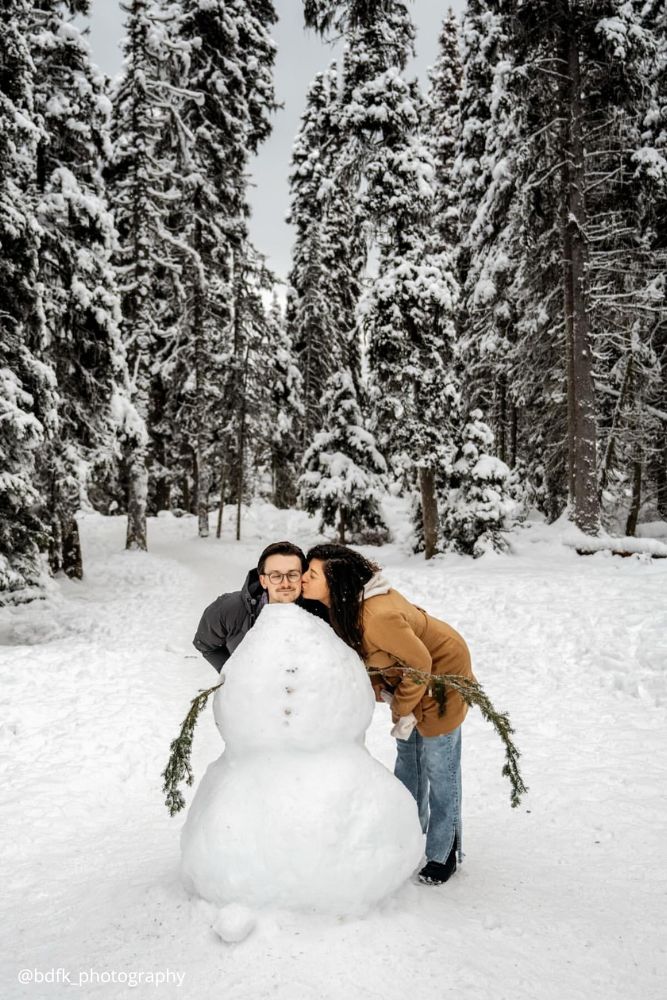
[(330, 831)]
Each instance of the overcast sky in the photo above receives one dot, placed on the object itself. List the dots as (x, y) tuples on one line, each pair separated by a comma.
[(300, 56)]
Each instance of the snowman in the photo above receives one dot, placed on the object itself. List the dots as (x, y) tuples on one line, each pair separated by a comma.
[(296, 814)]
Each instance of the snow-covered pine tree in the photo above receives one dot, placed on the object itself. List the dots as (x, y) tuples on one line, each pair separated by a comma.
[(283, 408), (442, 127), (141, 186), (343, 469), (626, 278), (407, 313), (440, 383), (479, 509), (28, 400), (650, 161), (246, 428), (485, 174), (512, 360), (81, 303), (329, 253), (552, 98), (226, 99), (592, 114), (628, 267)]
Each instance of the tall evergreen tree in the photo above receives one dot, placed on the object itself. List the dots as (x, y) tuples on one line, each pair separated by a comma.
[(479, 510), (403, 186), (141, 185), (283, 406), (343, 469), (329, 253), (650, 161), (442, 127), (554, 264), (81, 302), (440, 383), (486, 177), (226, 108), (407, 313), (28, 401)]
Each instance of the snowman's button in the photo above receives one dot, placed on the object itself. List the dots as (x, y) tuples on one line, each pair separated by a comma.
[(288, 711), (289, 690)]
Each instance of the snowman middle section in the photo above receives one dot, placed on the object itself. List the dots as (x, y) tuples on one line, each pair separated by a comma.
[(296, 813)]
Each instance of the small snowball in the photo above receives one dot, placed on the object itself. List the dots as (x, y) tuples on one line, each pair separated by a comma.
[(234, 923)]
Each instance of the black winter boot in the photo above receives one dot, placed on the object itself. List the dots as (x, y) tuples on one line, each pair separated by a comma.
[(437, 872)]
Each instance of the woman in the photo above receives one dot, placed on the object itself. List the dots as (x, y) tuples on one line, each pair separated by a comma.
[(389, 632)]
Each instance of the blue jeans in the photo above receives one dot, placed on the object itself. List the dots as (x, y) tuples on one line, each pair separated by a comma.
[(430, 769)]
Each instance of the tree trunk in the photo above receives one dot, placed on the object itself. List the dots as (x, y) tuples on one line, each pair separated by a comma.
[(136, 501), (514, 430), (162, 494), (239, 500), (501, 423), (241, 456), (429, 512), (284, 491), (202, 494), (71, 541), (635, 505), (221, 508), (56, 546), (306, 430), (201, 362), (661, 482), (568, 306), (581, 394), (341, 526)]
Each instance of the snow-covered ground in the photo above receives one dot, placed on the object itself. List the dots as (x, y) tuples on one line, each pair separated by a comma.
[(565, 897)]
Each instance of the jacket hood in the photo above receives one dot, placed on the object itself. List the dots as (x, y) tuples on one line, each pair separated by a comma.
[(252, 588), (378, 584)]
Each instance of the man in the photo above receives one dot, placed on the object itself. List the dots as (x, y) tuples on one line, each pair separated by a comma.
[(277, 580)]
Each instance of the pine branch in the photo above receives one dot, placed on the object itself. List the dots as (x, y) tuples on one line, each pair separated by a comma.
[(473, 693), (178, 767)]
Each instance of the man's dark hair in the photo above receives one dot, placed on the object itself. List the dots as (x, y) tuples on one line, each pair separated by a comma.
[(346, 573), (281, 549)]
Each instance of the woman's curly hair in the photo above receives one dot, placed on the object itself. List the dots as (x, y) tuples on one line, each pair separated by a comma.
[(346, 572)]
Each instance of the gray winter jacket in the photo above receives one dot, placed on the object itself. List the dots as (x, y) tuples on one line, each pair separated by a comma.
[(226, 621)]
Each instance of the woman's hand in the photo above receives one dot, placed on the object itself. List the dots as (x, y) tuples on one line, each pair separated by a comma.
[(403, 728)]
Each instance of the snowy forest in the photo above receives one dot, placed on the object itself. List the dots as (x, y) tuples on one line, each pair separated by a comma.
[(476, 312)]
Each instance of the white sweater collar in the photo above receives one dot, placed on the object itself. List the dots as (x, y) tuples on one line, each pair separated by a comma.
[(377, 584)]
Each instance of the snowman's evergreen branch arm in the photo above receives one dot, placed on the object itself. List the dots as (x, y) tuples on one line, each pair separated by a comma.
[(473, 693), (178, 767)]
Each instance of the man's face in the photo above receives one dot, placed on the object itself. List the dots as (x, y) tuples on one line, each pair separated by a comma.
[(282, 590)]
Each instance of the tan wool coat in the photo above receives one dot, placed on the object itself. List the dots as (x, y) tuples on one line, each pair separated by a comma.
[(396, 631)]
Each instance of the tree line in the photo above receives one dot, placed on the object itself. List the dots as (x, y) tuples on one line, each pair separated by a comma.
[(476, 310)]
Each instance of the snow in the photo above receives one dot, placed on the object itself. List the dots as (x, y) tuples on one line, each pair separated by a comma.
[(563, 897)]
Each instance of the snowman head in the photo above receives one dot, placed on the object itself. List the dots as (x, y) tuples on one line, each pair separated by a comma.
[(292, 683)]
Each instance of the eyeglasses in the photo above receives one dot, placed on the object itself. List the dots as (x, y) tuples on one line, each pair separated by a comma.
[(292, 576)]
